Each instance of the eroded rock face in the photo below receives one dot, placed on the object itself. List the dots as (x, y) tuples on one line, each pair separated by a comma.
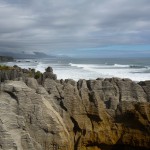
[(101, 114), (29, 119), (15, 73)]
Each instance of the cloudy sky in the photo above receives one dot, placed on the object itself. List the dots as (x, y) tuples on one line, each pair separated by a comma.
[(76, 27)]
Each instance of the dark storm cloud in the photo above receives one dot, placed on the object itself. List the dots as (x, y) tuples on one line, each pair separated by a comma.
[(66, 24)]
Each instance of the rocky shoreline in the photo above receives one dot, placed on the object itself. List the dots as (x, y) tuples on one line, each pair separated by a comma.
[(39, 112)]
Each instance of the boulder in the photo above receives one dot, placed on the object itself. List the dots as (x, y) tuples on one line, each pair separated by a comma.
[(49, 69)]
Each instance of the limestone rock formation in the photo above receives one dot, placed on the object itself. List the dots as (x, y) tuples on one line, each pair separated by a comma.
[(29, 120), (102, 114), (15, 72)]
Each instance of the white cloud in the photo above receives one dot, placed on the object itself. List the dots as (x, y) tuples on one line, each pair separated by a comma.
[(66, 24)]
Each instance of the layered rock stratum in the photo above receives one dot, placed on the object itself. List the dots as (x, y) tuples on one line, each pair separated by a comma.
[(50, 114)]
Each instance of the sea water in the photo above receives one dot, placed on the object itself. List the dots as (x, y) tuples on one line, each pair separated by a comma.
[(137, 69)]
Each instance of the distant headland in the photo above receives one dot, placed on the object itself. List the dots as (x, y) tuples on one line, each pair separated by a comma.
[(6, 58)]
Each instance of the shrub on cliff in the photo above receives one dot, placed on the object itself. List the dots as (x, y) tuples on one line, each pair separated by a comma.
[(37, 74), (4, 67)]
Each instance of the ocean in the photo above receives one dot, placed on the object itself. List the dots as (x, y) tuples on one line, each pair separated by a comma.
[(137, 69)]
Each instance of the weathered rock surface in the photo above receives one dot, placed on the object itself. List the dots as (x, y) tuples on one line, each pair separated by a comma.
[(100, 114), (15, 73), (28, 119)]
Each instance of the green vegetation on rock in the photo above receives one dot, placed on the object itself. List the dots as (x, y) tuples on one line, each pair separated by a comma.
[(4, 67), (37, 75)]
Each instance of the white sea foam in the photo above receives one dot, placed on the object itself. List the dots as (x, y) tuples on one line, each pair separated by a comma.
[(41, 67), (87, 71), (135, 72), (122, 66)]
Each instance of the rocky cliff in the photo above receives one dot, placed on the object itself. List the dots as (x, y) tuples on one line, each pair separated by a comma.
[(51, 114)]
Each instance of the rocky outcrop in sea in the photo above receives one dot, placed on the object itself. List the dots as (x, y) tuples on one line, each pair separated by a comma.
[(39, 112)]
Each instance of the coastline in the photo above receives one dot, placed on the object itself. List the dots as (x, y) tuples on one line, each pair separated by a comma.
[(17, 72), (137, 70)]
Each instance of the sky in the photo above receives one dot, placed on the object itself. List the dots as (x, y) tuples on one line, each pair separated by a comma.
[(98, 28)]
